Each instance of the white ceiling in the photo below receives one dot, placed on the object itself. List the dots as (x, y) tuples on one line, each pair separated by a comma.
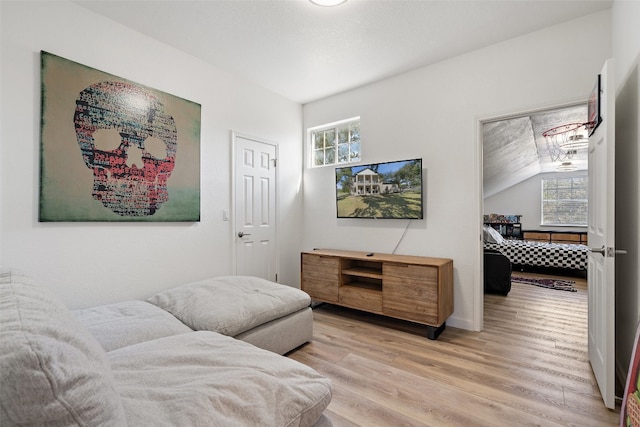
[(306, 52)]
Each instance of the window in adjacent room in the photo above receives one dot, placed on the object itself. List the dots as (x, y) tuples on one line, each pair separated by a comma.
[(564, 201), (335, 143)]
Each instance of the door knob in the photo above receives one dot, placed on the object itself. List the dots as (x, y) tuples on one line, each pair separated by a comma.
[(609, 252), (241, 234)]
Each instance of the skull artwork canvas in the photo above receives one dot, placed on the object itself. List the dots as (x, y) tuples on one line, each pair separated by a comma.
[(122, 186), (139, 145)]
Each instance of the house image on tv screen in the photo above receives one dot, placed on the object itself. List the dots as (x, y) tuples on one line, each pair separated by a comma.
[(369, 182), (380, 190)]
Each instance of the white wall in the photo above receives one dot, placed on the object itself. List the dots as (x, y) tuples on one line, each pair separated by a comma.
[(626, 51), (92, 263), (525, 199), (434, 113)]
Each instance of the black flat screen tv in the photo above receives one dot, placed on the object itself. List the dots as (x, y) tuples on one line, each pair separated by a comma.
[(389, 190)]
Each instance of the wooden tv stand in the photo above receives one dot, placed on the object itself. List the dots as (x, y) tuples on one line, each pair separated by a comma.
[(414, 288)]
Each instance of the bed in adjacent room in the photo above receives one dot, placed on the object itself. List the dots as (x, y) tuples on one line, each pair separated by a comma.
[(538, 254)]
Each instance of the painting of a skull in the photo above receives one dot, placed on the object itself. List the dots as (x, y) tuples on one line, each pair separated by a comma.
[(115, 150), (122, 186)]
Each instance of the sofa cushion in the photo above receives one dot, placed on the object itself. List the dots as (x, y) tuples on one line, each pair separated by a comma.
[(208, 379), (128, 322), (230, 305), (52, 371)]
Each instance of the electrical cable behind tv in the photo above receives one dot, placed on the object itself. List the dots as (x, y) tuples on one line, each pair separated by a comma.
[(401, 237)]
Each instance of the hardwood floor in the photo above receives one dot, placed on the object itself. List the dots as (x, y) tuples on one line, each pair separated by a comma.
[(529, 366)]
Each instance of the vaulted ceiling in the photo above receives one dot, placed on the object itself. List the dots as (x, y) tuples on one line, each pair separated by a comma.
[(515, 150)]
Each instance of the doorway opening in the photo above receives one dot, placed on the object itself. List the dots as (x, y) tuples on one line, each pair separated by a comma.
[(515, 158)]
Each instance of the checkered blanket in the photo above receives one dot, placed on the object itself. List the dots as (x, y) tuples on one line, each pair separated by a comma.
[(543, 254)]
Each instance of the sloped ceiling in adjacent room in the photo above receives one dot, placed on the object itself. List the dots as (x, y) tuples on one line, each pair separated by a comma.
[(515, 150)]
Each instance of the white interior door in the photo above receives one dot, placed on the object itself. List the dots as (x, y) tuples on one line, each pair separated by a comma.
[(601, 235), (255, 208)]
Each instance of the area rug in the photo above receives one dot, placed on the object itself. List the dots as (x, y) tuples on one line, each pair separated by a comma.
[(561, 285)]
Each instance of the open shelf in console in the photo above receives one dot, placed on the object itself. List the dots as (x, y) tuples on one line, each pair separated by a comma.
[(363, 274), (359, 268), (363, 283)]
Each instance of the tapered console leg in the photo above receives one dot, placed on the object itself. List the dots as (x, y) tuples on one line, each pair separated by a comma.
[(433, 332)]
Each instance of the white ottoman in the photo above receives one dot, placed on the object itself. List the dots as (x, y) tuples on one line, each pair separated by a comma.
[(269, 315)]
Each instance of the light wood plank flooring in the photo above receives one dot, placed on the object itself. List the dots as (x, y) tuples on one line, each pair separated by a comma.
[(529, 366)]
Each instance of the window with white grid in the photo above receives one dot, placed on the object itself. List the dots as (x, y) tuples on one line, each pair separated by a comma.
[(335, 143), (564, 201)]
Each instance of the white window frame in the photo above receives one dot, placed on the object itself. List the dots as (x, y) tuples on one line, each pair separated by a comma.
[(559, 201), (336, 160)]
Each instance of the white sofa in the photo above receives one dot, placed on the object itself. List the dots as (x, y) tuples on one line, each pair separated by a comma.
[(134, 363)]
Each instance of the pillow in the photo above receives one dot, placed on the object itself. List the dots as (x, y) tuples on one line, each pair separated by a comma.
[(492, 235), (52, 371), (496, 235), (486, 236)]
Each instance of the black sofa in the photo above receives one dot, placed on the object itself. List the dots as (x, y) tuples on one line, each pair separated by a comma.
[(497, 273)]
